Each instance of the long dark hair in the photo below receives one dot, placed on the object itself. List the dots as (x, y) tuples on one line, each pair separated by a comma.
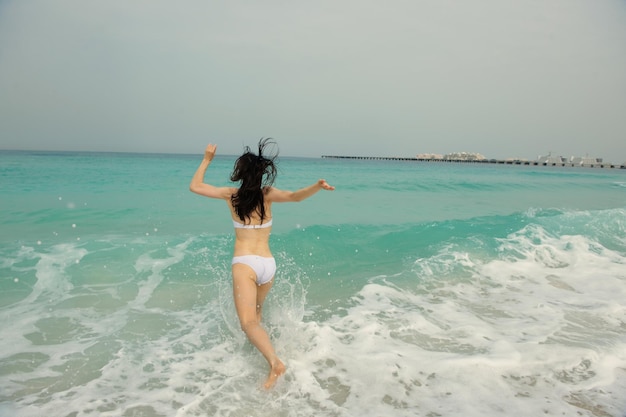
[(256, 173)]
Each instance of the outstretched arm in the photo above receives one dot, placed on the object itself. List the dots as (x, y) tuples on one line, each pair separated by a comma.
[(281, 196), (198, 185)]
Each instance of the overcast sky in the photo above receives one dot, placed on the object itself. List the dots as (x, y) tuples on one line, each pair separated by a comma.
[(505, 78)]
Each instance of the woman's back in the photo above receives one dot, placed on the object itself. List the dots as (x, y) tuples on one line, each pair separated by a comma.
[(252, 237)]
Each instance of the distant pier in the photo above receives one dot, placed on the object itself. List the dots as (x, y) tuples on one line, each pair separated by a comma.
[(479, 161)]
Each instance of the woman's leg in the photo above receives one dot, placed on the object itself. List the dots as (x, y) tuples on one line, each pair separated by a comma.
[(261, 293), (248, 302)]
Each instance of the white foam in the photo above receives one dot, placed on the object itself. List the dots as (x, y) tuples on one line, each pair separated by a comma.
[(539, 328)]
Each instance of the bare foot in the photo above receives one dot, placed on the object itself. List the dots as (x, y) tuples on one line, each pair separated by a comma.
[(278, 368)]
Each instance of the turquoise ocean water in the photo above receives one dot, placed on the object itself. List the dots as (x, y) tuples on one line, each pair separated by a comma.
[(414, 289)]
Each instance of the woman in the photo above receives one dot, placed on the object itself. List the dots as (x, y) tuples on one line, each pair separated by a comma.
[(253, 266)]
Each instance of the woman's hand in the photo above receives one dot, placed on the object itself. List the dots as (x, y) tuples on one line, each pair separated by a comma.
[(209, 152), (325, 185)]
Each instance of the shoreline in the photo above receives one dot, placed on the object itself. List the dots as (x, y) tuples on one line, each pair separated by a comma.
[(482, 161)]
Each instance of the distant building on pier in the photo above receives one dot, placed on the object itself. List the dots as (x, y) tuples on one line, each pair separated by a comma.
[(430, 156), (550, 159), (573, 161), (464, 156)]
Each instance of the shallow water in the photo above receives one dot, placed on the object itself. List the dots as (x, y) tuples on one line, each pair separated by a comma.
[(413, 289)]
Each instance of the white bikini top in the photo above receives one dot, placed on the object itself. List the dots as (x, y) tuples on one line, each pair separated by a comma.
[(238, 225)]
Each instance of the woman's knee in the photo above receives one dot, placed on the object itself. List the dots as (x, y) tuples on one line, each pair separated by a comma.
[(248, 324)]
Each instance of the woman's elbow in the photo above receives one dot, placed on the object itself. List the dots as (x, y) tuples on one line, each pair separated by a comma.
[(193, 188)]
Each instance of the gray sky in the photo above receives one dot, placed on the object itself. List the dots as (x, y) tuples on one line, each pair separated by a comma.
[(506, 78)]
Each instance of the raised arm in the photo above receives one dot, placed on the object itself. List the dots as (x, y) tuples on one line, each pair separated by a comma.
[(198, 185), (280, 196)]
